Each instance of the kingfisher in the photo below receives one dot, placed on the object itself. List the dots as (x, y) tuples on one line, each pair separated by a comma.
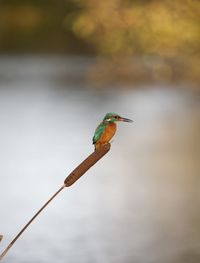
[(106, 129)]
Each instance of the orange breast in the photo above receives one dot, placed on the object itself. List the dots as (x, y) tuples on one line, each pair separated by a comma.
[(108, 133)]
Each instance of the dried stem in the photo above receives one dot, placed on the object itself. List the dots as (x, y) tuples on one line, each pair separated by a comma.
[(29, 222), (72, 178)]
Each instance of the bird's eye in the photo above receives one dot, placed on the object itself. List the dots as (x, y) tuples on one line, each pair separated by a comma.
[(116, 117)]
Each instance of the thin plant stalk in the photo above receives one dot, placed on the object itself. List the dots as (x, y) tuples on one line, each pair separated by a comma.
[(29, 222)]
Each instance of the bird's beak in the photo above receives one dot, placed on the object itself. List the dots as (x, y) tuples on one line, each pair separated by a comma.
[(125, 119)]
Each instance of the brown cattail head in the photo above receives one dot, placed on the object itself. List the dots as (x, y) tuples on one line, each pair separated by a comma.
[(86, 164), (1, 237)]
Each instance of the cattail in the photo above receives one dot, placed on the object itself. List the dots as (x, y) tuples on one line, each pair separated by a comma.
[(86, 164), (72, 178)]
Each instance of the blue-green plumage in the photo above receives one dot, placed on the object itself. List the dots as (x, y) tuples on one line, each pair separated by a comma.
[(111, 115), (99, 130)]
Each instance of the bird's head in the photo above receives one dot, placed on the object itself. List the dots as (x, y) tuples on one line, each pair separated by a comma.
[(113, 117)]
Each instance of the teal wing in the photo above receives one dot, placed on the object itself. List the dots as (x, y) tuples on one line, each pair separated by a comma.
[(99, 130)]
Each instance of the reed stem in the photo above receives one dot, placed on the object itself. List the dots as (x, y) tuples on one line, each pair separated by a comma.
[(29, 222)]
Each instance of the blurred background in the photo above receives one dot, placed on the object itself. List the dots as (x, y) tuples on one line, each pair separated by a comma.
[(63, 65)]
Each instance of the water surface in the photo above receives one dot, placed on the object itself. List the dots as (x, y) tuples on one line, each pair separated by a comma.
[(140, 203)]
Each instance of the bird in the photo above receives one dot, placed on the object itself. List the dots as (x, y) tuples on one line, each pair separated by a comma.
[(106, 129)]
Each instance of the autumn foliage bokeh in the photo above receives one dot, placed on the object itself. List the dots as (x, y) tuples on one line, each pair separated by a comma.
[(134, 40)]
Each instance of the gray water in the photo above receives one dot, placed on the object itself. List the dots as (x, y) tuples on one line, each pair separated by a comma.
[(139, 204)]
